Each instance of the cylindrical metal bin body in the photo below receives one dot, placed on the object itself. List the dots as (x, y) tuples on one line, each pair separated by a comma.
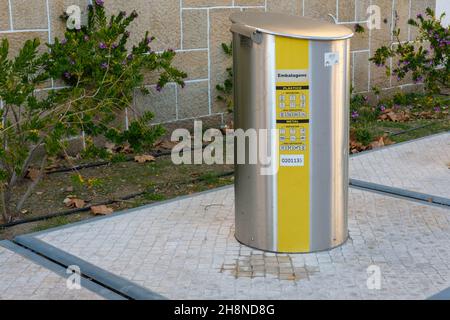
[(292, 74)]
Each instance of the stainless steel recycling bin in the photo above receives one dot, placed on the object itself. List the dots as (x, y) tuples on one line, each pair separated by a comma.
[(292, 74)]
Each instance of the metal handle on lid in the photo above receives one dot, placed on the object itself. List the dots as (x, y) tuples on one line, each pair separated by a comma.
[(335, 20), (247, 31)]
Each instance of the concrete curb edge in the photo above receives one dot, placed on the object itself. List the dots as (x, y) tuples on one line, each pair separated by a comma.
[(59, 270), (109, 280)]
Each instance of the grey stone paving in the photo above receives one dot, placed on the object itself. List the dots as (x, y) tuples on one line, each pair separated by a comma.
[(421, 165), (23, 279), (186, 250)]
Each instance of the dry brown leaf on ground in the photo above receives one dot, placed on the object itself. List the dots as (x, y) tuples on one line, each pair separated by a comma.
[(101, 210), (144, 158), (387, 141), (164, 145), (52, 167), (126, 148), (378, 143), (404, 116), (67, 201), (73, 202), (356, 146), (394, 117), (79, 203), (381, 142), (33, 174), (429, 115)]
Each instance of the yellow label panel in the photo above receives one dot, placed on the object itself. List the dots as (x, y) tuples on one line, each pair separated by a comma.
[(292, 91)]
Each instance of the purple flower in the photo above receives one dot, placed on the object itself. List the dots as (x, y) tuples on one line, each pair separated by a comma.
[(150, 39), (67, 75), (355, 114), (100, 2), (64, 41), (419, 16), (437, 109), (382, 108), (115, 46), (124, 62), (104, 65), (130, 57), (102, 45), (418, 79), (86, 38), (72, 62)]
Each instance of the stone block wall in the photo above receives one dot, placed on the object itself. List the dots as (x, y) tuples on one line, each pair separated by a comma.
[(196, 29)]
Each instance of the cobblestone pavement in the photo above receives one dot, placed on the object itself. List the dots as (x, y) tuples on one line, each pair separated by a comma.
[(421, 165), (21, 278), (186, 249)]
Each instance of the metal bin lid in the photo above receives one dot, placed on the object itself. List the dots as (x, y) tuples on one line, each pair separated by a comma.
[(290, 26)]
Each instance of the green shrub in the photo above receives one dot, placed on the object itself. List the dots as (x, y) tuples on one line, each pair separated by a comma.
[(363, 135), (101, 74), (226, 89), (428, 65), (361, 111)]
